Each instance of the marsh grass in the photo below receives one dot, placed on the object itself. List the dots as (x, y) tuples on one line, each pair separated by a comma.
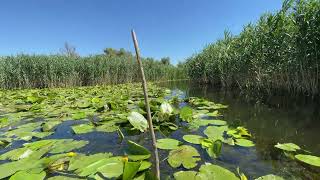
[(280, 53), (41, 71)]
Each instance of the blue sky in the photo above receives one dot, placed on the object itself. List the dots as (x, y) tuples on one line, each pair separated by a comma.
[(174, 28)]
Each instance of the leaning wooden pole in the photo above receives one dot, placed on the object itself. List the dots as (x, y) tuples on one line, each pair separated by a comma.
[(145, 92)]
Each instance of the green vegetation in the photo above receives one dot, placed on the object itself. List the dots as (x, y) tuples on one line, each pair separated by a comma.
[(280, 53), (41, 71), (35, 143)]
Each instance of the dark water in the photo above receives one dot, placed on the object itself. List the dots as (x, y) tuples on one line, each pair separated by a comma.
[(270, 120)]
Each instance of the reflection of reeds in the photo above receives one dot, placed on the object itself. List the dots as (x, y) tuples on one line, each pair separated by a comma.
[(27, 71), (280, 52)]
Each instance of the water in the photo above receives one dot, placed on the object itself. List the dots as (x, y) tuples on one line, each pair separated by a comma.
[(270, 120)]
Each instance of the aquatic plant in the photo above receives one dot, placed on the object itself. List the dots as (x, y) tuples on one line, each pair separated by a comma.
[(32, 118), (41, 71), (280, 52)]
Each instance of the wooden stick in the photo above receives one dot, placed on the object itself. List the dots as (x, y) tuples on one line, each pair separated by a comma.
[(145, 92)]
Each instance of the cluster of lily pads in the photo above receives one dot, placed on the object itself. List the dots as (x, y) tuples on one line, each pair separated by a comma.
[(31, 116), (294, 151)]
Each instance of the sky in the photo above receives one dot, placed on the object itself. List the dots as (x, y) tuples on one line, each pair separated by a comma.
[(173, 28)]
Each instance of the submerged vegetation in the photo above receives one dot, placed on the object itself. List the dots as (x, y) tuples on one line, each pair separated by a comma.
[(45, 133), (279, 53), (41, 71)]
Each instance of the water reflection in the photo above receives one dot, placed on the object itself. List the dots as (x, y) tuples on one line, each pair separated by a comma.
[(270, 120)]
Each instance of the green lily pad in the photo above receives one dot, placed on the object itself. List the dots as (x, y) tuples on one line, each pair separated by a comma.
[(270, 177), (112, 169), (288, 147), (25, 175), (62, 178), (130, 170), (81, 161), (309, 159), (82, 128), (79, 115), (215, 133), (185, 175), (186, 113), (185, 155), (244, 142), (138, 121), (92, 168), (50, 125), (215, 150), (194, 139), (215, 172), (168, 143), (137, 152)]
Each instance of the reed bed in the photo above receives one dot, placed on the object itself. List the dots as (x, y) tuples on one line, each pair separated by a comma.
[(279, 53), (42, 71)]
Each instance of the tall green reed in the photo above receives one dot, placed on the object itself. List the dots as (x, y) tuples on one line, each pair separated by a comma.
[(278, 53), (39, 71)]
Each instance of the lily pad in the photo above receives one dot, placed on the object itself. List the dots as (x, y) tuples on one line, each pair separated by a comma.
[(288, 147), (138, 121), (168, 143), (81, 161), (215, 172), (194, 139), (185, 155), (137, 152), (309, 159), (270, 177), (25, 175), (130, 170), (185, 175), (112, 169), (244, 142), (215, 150), (215, 133), (82, 128), (186, 113)]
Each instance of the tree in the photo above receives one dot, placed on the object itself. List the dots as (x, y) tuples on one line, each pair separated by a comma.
[(69, 51), (114, 52)]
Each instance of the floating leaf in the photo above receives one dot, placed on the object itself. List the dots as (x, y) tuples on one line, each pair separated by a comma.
[(215, 150), (130, 170), (288, 146), (185, 155), (50, 125), (81, 161), (168, 143), (137, 152), (185, 175), (186, 113), (62, 178), (138, 121), (309, 159), (215, 172), (244, 142), (194, 139), (25, 175), (215, 133), (82, 128), (79, 115), (270, 177), (68, 145), (112, 169)]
